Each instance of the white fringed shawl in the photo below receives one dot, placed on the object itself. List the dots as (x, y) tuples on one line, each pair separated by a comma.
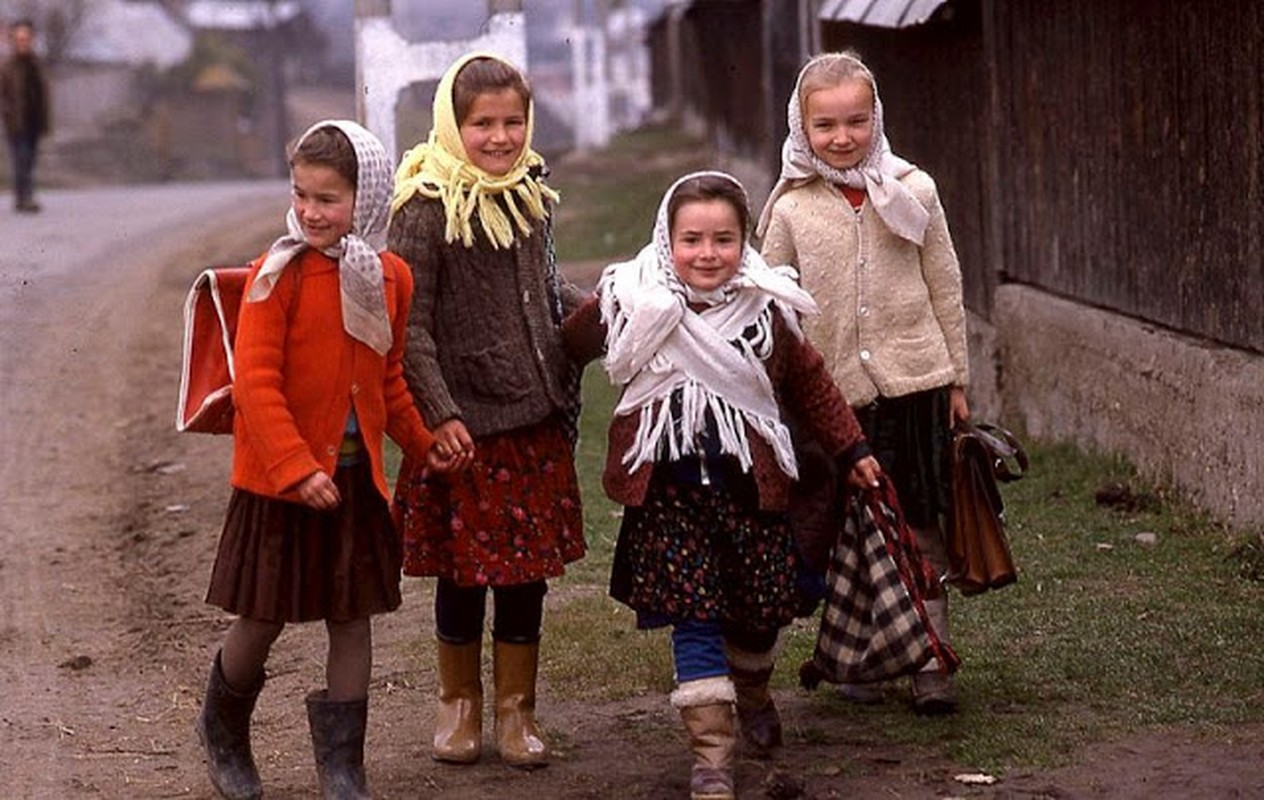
[(656, 344)]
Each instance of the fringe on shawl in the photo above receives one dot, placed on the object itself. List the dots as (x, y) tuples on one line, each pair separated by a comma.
[(429, 171), (660, 432)]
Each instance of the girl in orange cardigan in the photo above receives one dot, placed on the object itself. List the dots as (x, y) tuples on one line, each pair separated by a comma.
[(308, 534)]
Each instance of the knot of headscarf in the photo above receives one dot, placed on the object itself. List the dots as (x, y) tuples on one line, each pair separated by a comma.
[(361, 281), (657, 345), (440, 169), (878, 173)]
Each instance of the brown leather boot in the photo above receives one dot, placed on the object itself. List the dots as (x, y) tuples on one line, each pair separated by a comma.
[(706, 708), (933, 691), (458, 737), (756, 711), (518, 738)]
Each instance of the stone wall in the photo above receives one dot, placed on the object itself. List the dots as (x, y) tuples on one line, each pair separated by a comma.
[(1181, 409)]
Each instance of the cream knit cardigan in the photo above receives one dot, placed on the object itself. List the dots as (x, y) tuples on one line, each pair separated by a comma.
[(892, 320)]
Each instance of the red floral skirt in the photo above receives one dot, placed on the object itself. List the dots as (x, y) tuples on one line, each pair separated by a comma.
[(513, 517)]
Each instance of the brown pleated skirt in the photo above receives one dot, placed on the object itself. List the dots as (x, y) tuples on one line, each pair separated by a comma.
[(285, 562)]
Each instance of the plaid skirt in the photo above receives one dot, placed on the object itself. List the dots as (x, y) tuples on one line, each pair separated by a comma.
[(875, 625), (705, 553), (285, 562), (513, 517)]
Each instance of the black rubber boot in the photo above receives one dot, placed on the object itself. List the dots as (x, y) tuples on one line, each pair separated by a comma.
[(224, 730), (338, 743)]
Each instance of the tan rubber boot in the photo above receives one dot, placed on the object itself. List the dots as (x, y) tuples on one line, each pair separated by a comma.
[(706, 708), (518, 738), (933, 691), (458, 737), (756, 711)]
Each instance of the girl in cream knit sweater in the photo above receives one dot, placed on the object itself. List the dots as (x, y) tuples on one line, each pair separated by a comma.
[(868, 235)]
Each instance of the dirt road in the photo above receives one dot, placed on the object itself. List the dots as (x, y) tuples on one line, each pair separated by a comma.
[(107, 533)]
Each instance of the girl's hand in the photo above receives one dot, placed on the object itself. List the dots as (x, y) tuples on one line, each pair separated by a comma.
[(453, 447), (318, 491), (437, 463), (958, 408), (865, 473)]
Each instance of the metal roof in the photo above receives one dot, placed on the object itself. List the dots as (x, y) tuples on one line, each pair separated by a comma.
[(879, 13)]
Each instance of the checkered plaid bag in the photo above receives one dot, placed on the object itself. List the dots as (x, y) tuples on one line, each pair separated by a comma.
[(874, 626)]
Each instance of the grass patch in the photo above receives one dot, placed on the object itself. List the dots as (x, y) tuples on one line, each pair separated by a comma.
[(609, 198), (1101, 636), (593, 649)]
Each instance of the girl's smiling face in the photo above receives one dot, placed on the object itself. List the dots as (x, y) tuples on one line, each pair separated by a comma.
[(494, 130), (838, 122), (323, 201), (706, 243)]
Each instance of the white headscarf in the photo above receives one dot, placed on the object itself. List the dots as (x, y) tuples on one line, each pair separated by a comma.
[(878, 173), (364, 314), (656, 344)]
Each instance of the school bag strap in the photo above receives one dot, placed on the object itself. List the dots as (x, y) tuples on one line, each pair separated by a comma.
[(1005, 453)]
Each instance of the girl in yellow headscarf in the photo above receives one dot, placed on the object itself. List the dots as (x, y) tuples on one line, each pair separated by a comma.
[(485, 361)]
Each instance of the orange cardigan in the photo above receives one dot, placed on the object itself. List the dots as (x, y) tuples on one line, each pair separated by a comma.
[(298, 375)]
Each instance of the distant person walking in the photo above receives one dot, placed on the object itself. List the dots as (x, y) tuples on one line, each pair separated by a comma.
[(25, 99)]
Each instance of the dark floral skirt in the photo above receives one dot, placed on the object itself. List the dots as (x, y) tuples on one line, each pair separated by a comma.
[(705, 553), (513, 517), (285, 562)]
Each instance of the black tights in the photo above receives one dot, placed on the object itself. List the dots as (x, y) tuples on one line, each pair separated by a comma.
[(459, 612)]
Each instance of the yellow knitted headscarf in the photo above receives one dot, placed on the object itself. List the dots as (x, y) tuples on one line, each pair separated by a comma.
[(440, 168)]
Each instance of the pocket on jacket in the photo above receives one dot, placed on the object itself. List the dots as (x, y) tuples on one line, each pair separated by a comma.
[(922, 355), (493, 373)]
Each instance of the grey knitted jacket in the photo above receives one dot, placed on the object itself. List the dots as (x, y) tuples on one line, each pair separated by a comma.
[(484, 344)]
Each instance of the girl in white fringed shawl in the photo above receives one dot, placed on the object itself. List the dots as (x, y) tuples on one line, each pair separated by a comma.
[(869, 236), (704, 339)]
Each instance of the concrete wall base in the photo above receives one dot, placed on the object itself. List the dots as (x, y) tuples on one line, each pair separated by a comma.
[(984, 393), (1184, 412)]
